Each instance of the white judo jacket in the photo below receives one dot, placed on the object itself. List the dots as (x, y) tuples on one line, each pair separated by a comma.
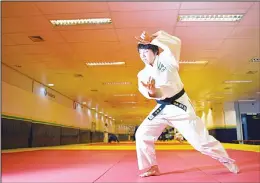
[(165, 68)]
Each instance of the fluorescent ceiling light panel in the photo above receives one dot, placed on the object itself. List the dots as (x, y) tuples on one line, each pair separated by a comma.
[(218, 97), (50, 84), (228, 93), (104, 63), (210, 18), (238, 81), (124, 95), (255, 60), (81, 21), (193, 62), (117, 83), (249, 100), (128, 102)]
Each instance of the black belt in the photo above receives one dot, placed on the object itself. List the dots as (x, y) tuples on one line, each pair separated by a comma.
[(169, 101)]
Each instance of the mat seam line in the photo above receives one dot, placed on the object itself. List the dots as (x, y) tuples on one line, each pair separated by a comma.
[(208, 175), (200, 170), (108, 169)]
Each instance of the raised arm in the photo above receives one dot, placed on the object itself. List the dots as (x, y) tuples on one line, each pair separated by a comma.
[(167, 42)]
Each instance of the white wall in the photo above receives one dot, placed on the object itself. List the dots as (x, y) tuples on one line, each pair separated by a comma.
[(22, 97), (230, 114), (16, 78), (40, 89), (249, 107)]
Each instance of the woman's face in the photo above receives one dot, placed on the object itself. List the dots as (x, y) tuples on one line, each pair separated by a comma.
[(147, 56)]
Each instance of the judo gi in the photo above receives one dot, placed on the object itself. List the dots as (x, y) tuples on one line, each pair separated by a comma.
[(179, 114), (106, 134)]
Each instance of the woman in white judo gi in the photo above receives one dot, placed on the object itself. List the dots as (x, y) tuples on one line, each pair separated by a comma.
[(160, 80)]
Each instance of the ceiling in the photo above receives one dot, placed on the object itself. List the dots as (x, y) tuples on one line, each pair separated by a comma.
[(228, 47)]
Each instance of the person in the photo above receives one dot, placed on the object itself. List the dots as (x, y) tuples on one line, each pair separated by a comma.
[(162, 137), (113, 138), (106, 133), (136, 127), (159, 80), (178, 136)]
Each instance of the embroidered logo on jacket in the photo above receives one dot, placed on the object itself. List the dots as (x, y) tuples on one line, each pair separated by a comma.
[(161, 67)]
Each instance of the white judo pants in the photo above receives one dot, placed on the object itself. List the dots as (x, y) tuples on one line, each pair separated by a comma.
[(105, 137), (187, 123)]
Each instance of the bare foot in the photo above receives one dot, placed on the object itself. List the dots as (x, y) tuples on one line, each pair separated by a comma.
[(153, 171)]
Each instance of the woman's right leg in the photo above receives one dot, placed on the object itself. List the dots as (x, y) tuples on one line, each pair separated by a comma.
[(195, 132)]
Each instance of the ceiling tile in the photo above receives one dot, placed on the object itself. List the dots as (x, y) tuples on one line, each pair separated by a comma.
[(230, 48), (48, 37), (24, 58), (252, 17), (90, 35), (215, 5), (86, 47), (71, 7), (193, 53), (19, 9), (6, 40), (195, 43), (60, 49), (240, 45), (144, 19), (245, 32), (26, 49), (107, 51), (142, 6), (203, 32), (128, 35), (23, 24)]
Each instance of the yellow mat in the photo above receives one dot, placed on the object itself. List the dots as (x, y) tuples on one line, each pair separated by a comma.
[(131, 146)]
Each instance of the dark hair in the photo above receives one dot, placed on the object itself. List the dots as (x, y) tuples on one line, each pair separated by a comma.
[(152, 47)]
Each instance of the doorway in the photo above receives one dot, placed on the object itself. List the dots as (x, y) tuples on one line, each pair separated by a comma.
[(251, 126)]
